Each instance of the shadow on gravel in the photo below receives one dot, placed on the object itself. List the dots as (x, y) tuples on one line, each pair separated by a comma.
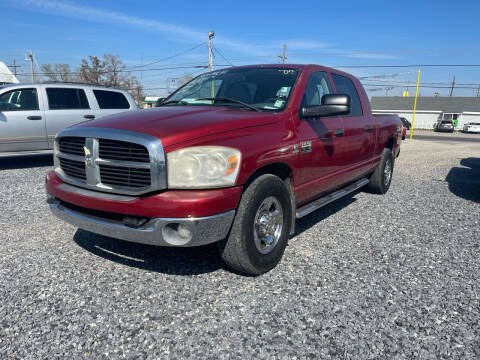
[(26, 161), (175, 261), (465, 181), (312, 219)]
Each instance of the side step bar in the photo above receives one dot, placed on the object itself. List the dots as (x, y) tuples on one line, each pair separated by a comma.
[(316, 204)]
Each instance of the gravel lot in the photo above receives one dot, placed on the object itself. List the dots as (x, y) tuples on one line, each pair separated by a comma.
[(386, 277)]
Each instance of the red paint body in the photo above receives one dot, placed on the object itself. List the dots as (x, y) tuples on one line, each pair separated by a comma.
[(263, 138)]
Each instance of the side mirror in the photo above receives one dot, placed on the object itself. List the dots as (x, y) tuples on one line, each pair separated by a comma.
[(331, 105)]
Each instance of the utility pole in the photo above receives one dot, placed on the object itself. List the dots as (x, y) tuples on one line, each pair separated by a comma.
[(14, 67), (32, 74), (283, 57), (453, 86), (211, 35)]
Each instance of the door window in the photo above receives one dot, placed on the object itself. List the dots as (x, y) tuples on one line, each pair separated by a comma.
[(318, 85), (345, 86), (66, 99), (19, 100), (111, 99)]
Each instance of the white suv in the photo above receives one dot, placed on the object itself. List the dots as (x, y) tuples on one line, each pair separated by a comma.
[(31, 114)]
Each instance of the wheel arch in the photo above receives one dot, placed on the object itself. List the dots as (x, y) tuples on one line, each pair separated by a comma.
[(284, 172)]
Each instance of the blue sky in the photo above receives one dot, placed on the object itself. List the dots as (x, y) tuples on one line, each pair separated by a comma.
[(346, 33)]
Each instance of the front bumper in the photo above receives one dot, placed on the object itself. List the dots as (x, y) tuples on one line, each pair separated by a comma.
[(155, 231)]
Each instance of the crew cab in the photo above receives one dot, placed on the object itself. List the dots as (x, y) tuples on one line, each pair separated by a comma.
[(234, 157), (31, 114)]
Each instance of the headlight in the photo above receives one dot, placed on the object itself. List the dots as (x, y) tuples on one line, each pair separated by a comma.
[(203, 167)]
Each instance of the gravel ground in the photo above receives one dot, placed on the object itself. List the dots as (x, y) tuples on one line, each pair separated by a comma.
[(384, 277)]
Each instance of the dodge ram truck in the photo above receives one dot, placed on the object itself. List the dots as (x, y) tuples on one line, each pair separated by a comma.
[(234, 157)]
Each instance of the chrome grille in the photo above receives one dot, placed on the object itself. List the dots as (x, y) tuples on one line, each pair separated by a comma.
[(125, 176), (75, 169), (110, 160), (122, 150), (72, 145)]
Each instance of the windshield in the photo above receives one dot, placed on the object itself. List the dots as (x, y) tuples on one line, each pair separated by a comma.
[(266, 89)]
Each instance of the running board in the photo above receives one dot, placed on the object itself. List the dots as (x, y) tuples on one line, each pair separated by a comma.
[(317, 204)]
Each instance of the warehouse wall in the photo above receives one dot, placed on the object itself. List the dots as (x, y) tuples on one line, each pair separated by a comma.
[(423, 120)]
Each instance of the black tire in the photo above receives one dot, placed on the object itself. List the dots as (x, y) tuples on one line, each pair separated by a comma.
[(239, 251), (378, 182)]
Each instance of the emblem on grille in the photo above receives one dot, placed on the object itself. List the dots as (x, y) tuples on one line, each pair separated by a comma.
[(88, 157)]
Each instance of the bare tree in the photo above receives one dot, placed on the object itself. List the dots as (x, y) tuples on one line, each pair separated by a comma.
[(133, 86), (113, 71), (58, 72), (109, 71), (92, 70)]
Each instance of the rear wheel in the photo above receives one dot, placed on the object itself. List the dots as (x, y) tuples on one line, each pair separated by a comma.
[(259, 233), (380, 180)]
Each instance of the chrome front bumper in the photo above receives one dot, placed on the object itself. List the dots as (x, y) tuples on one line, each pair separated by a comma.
[(156, 231)]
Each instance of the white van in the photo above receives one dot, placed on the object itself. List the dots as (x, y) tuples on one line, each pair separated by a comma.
[(31, 114)]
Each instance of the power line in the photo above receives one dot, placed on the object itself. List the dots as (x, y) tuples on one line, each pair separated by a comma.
[(408, 66), (119, 71), (168, 57), (14, 66), (405, 82), (423, 86), (219, 53)]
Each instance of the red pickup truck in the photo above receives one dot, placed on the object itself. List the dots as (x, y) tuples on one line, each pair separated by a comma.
[(234, 157)]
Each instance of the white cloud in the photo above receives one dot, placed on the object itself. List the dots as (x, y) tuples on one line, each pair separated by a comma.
[(185, 33), (105, 16)]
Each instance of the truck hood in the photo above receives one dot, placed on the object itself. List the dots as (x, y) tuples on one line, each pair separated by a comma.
[(176, 124)]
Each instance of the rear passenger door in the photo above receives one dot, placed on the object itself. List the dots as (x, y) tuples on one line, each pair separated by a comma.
[(66, 106), (22, 121), (110, 102), (359, 129)]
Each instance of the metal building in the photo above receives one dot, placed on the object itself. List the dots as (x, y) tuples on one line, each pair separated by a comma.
[(6, 76), (430, 109)]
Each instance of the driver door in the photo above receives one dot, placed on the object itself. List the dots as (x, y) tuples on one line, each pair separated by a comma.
[(321, 144), (22, 121)]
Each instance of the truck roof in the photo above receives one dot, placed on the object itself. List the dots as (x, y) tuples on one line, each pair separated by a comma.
[(289, 66), (59, 83)]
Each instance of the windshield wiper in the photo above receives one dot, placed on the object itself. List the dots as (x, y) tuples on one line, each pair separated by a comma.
[(224, 99), (181, 102)]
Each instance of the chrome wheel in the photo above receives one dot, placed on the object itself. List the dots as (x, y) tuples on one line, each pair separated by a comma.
[(268, 225), (387, 172)]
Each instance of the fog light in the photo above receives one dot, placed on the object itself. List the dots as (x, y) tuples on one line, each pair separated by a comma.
[(184, 232), (177, 234)]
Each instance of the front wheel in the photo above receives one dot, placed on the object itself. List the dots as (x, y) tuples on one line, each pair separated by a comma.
[(380, 180), (259, 233)]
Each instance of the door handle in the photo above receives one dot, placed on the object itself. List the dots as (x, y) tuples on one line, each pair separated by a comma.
[(368, 127), (34, 117), (339, 132), (89, 116)]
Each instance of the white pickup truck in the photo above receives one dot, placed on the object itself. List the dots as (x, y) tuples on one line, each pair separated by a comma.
[(31, 114)]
